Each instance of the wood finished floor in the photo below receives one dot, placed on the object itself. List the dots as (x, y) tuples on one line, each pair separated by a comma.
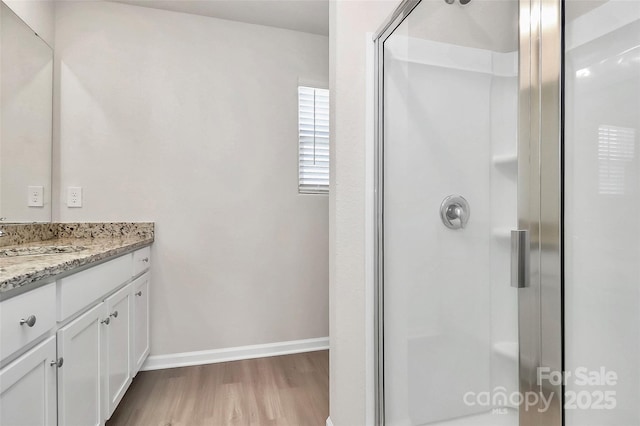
[(288, 390)]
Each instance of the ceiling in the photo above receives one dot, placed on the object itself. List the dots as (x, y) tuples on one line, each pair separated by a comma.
[(310, 16), (481, 24)]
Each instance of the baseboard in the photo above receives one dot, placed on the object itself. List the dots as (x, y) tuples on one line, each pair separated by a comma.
[(329, 422), (185, 359)]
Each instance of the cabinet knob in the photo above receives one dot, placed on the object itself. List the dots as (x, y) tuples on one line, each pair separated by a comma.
[(106, 321), (146, 259), (30, 321), (57, 363), (114, 314), (139, 293)]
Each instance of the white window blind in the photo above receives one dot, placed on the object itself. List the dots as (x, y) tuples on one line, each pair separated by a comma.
[(313, 140)]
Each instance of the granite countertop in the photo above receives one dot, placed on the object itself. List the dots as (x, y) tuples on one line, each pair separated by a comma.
[(17, 273)]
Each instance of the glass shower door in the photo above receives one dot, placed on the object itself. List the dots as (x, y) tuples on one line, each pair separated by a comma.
[(469, 312), (449, 202), (602, 199)]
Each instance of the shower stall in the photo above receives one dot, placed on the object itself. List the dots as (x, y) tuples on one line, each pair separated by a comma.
[(508, 213)]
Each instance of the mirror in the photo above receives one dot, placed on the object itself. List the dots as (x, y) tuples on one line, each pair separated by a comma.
[(26, 102)]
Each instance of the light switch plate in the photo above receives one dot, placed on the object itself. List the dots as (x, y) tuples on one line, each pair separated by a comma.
[(35, 196), (74, 196)]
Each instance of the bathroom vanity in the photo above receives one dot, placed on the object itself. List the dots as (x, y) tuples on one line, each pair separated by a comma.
[(74, 297), (74, 328)]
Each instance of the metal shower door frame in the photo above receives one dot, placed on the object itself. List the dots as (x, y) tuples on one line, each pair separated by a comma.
[(402, 11), (540, 312)]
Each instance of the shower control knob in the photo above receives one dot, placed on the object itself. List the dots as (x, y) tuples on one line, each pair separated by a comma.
[(455, 212)]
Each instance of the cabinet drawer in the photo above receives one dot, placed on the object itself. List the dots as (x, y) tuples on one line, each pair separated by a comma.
[(141, 260), (78, 291), (26, 317)]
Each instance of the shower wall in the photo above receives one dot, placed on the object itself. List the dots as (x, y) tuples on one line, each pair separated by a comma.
[(450, 315), (602, 213)]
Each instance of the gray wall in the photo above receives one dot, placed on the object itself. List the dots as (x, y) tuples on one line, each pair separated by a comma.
[(191, 122)]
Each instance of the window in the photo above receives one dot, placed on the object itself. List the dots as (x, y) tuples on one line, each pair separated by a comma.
[(313, 140)]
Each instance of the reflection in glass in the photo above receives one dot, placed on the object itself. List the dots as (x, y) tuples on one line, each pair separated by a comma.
[(26, 67), (602, 204)]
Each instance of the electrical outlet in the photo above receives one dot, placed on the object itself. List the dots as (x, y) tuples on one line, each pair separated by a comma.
[(35, 196), (74, 196)]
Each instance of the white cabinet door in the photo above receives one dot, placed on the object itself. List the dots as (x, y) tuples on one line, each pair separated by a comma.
[(28, 388), (79, 378), (140, 321), (118, 344)]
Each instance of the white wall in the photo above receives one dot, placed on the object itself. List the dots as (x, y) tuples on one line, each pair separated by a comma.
[(191, 122), (349, 22), (38, 14)]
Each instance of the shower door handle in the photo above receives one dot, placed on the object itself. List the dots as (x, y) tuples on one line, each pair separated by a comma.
[(519, 258)]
